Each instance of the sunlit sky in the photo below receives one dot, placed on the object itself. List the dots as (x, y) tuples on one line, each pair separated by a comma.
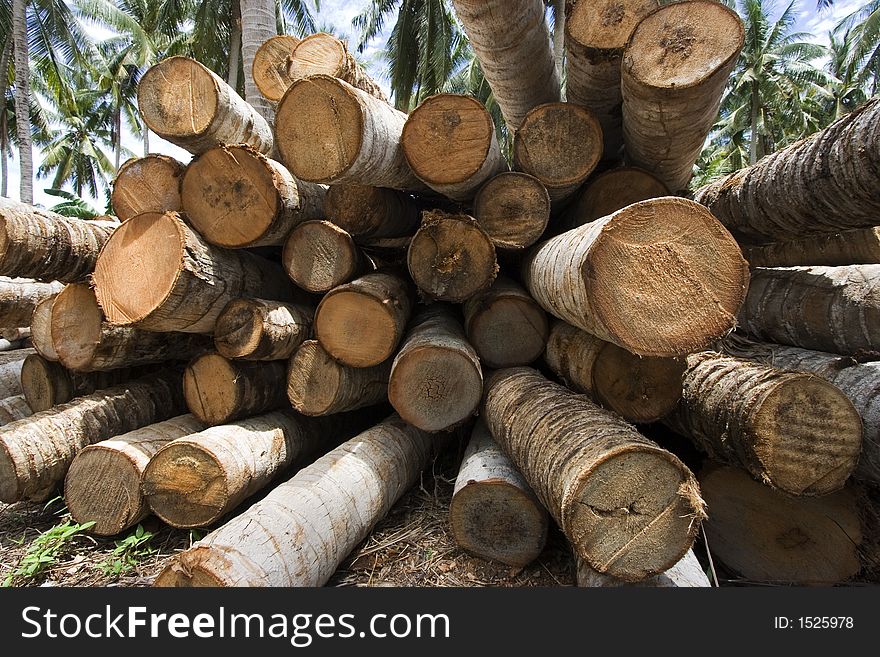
[(339, 14)]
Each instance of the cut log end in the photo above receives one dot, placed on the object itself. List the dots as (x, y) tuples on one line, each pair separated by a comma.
[(636, 525), (76, 325), (318, 54), (239, 329), (192, 569), (313, 379), (147, 184), (186, 485), (507, 330), (319, 256), (133, 281), (684, 44), (357, 329), (514, 209), (41, 329), (605, 24), (271, 64), (209, 388), (319, 110), (178, 97), (44, 383), (517, 532), (612, 191)]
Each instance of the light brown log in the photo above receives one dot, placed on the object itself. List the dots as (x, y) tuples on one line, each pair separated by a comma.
[(46, 383), (791, 430), (19, 298), (84, 342), (640, 389), (629, 508), (451, 258), (369, 213), (505, 325), (147, 184), (858, 381), (187, 104), (362, 323), (687, 573), (14, 355), (257, 329), (827, 308), (300, 533), (674, 71), (330, 132), (767, 536), (820, 185), (450, 143), (270, 68), (514, 209), (560, 144), (14, 408), (35, 452), (436, 379), (319, 255), (218, 390), (19, 334), (41, 329), (853, 247), (512, 44), (159, 275), (324, 54), (45, 246), (658, 278), (197, 479), (596, 32), (318, 385), (493, 513), (235, 196), (612, 191), (103, 483), (10, 376), (12, 345)]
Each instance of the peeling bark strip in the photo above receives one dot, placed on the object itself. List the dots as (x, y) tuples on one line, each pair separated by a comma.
[(187, 104), (362, 323), (157, 274), (271, 62), (450, 143), (19, 298), (14, 408), (505, 325), (512, 43), (791, 430), (436, 380), (767, 536), (39, 244), (595, 35), (235, 196), (686, 573), (330, 132), (36, 452), (852, 247), (675, 67), (196, 479), (451, 258), (825, 183), (639, 389), (612, 191), (368, 213), (514, 210), (103, 483), (324, 54), (319, 256), (147, 184), (300, 533), (629, 508), (218, 390), (45, 383), (833, 309), (659, 278), (84, 342), (560, 144), (257, 329), (858, 381), (493, 513), (319, 385)]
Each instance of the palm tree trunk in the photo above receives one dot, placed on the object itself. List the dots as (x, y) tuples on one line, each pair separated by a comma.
[(4, 123), (559, 35), (234, 45), (753, 142), (117, 135), (258, 24), (146, 140), (22, 99)]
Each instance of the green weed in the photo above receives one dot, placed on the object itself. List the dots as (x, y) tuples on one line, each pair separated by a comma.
[(128, 552), (44, 552)]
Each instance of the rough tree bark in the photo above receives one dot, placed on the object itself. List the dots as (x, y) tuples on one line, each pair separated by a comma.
[(852, 247), (147, 184), (19, 298), (21, 63), (14, 408), (258, 23), (10, 375)]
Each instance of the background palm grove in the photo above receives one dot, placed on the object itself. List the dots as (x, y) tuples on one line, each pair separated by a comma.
[(71, 74)]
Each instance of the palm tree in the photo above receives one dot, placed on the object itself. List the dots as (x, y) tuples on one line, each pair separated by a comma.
[(863, 29), (23, 100), (847, 87), (258, 24)]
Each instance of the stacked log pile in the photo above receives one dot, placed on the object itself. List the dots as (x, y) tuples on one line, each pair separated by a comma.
[(263, 306)]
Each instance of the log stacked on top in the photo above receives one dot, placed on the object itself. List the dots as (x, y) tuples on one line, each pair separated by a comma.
[(391, 259)]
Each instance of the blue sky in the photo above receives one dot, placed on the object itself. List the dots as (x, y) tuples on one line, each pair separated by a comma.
[(339, 13)]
